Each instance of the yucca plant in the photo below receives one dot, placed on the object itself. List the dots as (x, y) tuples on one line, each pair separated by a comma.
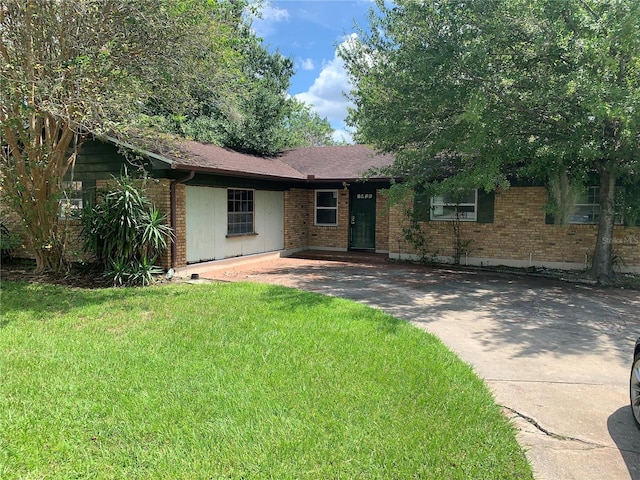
[(137, 272), (125, 232)]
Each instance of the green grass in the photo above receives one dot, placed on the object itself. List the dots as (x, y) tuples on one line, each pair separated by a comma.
[(235, 381)]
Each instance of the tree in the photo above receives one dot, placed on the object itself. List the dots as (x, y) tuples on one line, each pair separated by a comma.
[(480, 91), (73, 67), (258, 116), (254, 125), (306, 128), (252, 118), (264, 121)]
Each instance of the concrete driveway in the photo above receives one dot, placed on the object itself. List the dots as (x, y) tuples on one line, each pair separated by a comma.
[(557, 356)]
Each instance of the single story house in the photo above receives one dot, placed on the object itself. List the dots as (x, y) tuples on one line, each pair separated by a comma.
[(223, 204)]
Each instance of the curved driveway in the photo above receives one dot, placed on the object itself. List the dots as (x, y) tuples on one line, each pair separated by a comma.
[(557, 356)]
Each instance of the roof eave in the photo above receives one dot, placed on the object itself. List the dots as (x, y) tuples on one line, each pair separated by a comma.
[(312, 179), (234, 173), (145, 153)]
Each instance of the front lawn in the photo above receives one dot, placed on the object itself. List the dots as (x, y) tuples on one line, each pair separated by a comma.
[(235, 381)]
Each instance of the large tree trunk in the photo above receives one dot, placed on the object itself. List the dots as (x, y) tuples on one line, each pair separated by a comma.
[(46, 237), (601, 266), (34, 162), (51, 259)]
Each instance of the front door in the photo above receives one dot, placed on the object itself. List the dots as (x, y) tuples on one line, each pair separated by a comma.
[(362, 231)]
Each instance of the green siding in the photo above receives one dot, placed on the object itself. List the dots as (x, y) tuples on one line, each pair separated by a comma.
[(97, 161)]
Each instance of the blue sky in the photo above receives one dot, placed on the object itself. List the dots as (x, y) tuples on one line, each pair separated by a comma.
[(308, 32)]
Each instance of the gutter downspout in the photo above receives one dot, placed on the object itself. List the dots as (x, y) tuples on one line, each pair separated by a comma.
[(174, 208)]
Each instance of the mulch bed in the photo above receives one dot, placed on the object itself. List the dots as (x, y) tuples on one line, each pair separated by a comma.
[(78, 276)]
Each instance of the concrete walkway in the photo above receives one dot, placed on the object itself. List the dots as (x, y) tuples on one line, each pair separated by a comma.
[(557, 356)]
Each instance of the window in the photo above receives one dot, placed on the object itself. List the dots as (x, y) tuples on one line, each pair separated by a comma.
[(326, 207), (239, 212), (450, 207), (70, 203), (587, 207)]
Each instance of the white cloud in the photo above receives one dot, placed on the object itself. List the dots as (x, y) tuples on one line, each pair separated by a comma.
[(265, 25), (274, 14), (327, 94), (342, 136), (307, 64)]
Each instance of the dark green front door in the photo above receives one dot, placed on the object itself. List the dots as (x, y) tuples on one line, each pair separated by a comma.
[(362, 232)]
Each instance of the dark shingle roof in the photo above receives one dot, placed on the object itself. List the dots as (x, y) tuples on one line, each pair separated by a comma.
[(208, 157), (338, 163), (348, 162)]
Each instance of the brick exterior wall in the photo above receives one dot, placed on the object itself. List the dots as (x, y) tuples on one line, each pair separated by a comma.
[(330, 237), (296, 219), (12, 222), (181, 226), (71, 229), (382, 222), (301, 233), (398, 222), (518, 233), (158, 192)]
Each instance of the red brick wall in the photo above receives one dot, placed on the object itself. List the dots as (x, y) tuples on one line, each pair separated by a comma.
[(518, 233), (12, 222), (181, 226), (300, 231), (157, 192), (71, 229)]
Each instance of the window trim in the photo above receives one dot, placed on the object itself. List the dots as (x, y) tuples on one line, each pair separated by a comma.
[(316, 208), (71, 199), (252, 211), (595, 212), (474, 218)]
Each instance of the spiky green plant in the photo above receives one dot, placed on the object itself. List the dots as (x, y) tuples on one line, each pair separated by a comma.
[(125, 231)]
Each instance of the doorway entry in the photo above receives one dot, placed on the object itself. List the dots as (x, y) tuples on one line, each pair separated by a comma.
[(362, 217)]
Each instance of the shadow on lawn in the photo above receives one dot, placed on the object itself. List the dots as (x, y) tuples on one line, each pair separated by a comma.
[(529, 315), (290, 300), (43, 301)]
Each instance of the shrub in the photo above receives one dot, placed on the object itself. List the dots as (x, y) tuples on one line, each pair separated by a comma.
[(125, 232), (8, 242)]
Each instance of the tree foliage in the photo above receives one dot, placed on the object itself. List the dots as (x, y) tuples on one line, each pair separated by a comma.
[(480, 91), (306, 128), (263, 119), (249, 119), (72, 67)]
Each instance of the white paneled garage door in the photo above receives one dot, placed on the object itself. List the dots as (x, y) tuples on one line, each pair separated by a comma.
[(207, 225)]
